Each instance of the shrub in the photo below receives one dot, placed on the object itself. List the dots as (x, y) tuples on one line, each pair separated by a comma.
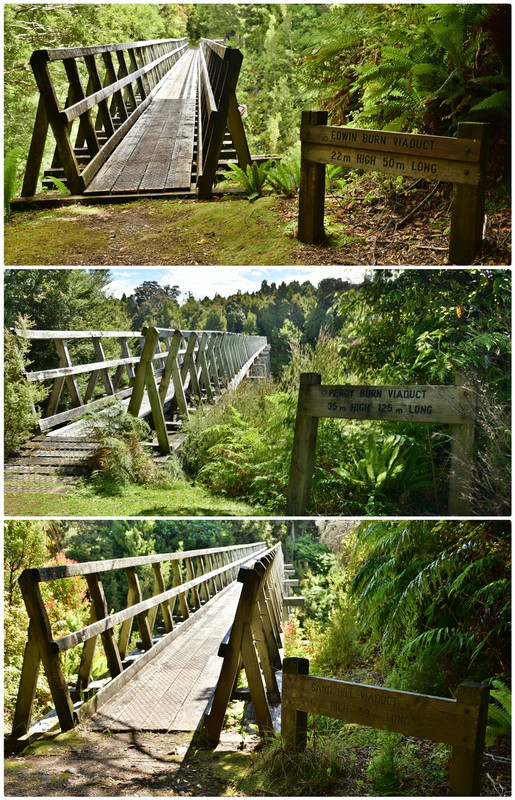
[(20, 396)]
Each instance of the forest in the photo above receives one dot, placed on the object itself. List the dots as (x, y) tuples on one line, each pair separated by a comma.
[(418, 68), (419, 606), (446, 322)]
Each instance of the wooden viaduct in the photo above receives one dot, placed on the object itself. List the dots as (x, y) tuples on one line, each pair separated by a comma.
[(158, 374), (135, 119), (222, 601)]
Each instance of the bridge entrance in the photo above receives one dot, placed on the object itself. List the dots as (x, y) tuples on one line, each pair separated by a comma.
[(223, 601), (135, 119)]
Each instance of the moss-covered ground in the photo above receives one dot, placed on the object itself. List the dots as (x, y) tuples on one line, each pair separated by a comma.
[(182, 499)]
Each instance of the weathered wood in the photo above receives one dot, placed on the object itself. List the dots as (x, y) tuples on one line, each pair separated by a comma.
[(415, 144), (222, 68), (414, 403), (294, 722), (40, 636), (467, 757), (98, 600), (461, 161), (462, 455), (460, 723), (454, 405), (468, 202), (28, 685), (436, 169), (311, 189), (303, 453), (42, 633)]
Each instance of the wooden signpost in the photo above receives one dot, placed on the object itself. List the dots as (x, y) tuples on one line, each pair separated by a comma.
[(461, 161), (460, 723), (455, 405)]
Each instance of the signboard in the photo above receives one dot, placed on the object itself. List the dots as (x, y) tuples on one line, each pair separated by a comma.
[(454, 405), (412, 714), (447, 404), (459, 160)]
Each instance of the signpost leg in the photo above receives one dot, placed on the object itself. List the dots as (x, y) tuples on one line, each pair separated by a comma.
[(311, 189), (303, 453), (461, 481), (468, 203), (467, 762), (294, 724)]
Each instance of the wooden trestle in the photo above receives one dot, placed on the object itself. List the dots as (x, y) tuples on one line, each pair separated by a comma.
[(138, 119)]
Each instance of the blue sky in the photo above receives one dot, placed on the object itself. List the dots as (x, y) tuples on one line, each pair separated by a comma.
[(207, 281)]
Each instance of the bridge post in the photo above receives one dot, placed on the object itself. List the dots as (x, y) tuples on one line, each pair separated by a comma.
[(294, 724), (42, 632), (145, 378)]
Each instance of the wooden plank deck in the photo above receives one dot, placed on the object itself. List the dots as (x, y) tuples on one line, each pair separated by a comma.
[(171, 693), (157, 153)]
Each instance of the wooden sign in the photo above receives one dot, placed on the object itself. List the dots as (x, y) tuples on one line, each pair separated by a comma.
[(459, 160), (454, 405), (460, 723), (413, 166), (447, 404)]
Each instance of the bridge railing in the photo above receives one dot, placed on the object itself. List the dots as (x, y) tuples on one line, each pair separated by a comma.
[(254, 641), (194, 578), (172, 370), (120, 80), (219, 68)]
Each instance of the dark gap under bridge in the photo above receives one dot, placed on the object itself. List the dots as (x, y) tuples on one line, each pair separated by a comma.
[(155, 118), (211, 612), (159, 374)]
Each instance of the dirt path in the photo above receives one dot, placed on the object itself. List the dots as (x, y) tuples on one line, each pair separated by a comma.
[(363, 227), (83, 763)]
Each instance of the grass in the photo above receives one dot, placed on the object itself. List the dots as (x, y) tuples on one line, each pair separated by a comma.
[(226, 230), (135, 501)]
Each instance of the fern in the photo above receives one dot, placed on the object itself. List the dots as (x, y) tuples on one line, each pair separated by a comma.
[(499, 713), (284, 177), (253, 179), (59, 185)]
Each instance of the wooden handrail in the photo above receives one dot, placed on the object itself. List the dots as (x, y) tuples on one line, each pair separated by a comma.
[(255, 640), (129, 88), (208, 572), (172, 368), (219, 69)]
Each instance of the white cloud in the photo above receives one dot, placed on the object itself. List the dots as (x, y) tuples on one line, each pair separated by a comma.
[(208, 281)]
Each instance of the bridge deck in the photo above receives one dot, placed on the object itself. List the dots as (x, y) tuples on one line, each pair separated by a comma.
[(157, 154), (171, 693)]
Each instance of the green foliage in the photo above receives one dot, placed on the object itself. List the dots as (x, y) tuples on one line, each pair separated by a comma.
[(59, 185), (11, 163), (446, 584), (121, 458), (499, 713), (241, 448), (20, 396), (417, 67), (253, 179), (392, 466), (284, 176), (446, 322)]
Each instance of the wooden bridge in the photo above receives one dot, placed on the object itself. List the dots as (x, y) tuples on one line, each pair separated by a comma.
[(158, 374), (223, 601), (136, 119)]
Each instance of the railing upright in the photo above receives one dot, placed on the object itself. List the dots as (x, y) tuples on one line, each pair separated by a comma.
[(129, 88), (200, 584), (219, 69)]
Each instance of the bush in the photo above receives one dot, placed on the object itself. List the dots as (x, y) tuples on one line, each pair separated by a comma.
[(121, 458), (20, 396)]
